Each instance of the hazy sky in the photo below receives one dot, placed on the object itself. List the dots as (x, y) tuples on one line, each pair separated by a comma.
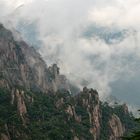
[(95, 42)]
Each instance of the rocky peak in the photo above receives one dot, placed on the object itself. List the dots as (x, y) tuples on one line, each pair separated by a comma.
[(125, 109), (21, 107), (89, 99), (58, 80), (54, 70), (116, 128)]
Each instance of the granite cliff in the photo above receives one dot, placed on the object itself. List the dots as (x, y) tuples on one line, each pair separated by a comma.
[(21, 65)]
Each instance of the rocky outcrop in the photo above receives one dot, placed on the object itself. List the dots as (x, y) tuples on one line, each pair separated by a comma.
[(125, 109), (59, 82), (89, 99), (71, 111), (18, 99), (21, 107), (116, 128)]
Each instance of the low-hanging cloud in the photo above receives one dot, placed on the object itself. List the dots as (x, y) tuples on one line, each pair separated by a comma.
[(87, 61)]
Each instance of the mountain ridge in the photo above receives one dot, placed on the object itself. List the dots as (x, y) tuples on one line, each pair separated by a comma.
[(37, 103)]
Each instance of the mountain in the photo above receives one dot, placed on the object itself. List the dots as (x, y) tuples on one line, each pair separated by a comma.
[(38, 103)]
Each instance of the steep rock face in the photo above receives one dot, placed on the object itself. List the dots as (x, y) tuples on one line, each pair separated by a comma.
[(18, 99), (89, 99), (21, 107), (116, 128), (71, 111), (21, 65)]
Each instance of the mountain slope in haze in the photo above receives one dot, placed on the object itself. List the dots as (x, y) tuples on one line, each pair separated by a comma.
[(36, 104), (21, 65)]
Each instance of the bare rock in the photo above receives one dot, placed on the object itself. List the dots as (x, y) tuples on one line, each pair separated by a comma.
[(116, 128)]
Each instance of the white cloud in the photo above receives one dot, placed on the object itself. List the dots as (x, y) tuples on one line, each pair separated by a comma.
[(61, 24), (123, 14)]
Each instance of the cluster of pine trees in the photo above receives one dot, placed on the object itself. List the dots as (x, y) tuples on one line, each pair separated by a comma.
[(136, 134)]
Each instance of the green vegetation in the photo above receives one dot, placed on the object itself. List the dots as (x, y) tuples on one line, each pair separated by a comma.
[(8, 114), (126, 118), (47, 118), (135, 135), (51, 122)]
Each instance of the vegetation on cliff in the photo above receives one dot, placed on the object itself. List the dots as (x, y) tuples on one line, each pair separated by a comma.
[(53, 116)]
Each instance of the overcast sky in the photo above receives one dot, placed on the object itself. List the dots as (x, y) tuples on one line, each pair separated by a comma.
[(95, 42)]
